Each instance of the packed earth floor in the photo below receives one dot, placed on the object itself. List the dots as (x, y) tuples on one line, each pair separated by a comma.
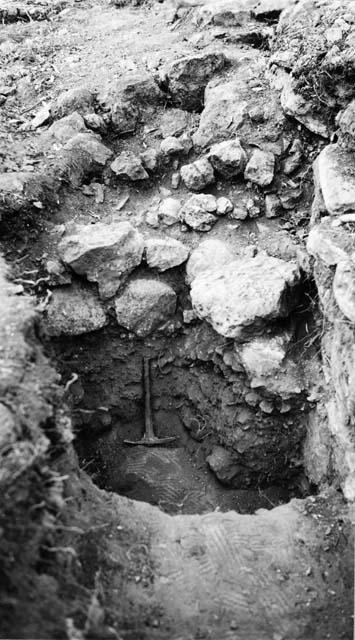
[(177, 210)]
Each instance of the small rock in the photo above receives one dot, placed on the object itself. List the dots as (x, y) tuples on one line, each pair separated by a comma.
[(8, 429), (152, 218), (253, 208), (329, 244), (272, 205), (66, 128), (127, 98), (334, 169), (74, 310), (82, 156), (21, 190), (260, 168), (294, 158), (197, 175), (285, 408), (257, 114), (346, 124), (175, 180), (150, 159), (164, 192), (266, 407), (165, 253), (175, 122), (187, 77), (224, 206), (57, 273), (266, 9), (104, 253), (252, 399), (42, 117), (344, 288), (198, 212), (140, 88), (224, 14), (186, 142), (222, 116), (223, 464), (295, 105), (6, 90), (144, 305), (264, 355), (240, 212), (95, 122), (171, 146), (188, 316), (170, 211), (80, 99), (250, 251), (228, 158), (210, 254), (129, 166)]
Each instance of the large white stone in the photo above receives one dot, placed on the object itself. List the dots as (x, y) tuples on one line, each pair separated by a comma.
[(327, 243), (210, 254), (335, 171), (104, 253), (344, 288), (346, 123), (144, 305), (245, 292)]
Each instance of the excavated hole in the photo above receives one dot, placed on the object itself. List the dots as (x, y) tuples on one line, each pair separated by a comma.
[(197, 399)]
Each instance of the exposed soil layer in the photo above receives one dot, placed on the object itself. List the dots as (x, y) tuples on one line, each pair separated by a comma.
[(192, 399)]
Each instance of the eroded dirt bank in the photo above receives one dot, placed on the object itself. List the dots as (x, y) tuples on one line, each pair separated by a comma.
[(184, 193)]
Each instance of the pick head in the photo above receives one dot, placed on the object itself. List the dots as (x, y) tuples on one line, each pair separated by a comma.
[(152, 441)]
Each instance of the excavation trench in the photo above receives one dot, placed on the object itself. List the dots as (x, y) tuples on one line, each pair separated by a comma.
[(206, 404)]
